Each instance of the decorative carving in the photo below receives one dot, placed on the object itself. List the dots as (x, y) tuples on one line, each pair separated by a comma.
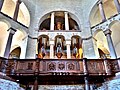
[(71, 66), (114, 66), (30, 65), (51, 66), (61, 66), (95, 67)]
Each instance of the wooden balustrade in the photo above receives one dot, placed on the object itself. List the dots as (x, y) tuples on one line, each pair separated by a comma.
[(59, 67)]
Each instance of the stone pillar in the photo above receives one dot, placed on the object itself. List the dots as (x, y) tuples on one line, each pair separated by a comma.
[(9, 42), (68, 43), (16, 9), (35, 87), (51, 49), (87, 86), (23, 47), (52, 21), (85, 66), (88, 49), (1, 4), (102, 13), (66, 21), (7, 49), (31, 48), (110, 44), (117, 4)]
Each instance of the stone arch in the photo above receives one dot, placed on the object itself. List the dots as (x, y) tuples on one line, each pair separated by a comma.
[(94, 15), (23, 15), (113, 22), (62, 39), (77, 40), (98, 30), (47, 16), (43, 47), (8, 7), (101, 42), (20, 40), (15, 53), (76, 47), (4, 26), (43, 35), (56, 35), (5, 21), (115, 28), (60, 46)]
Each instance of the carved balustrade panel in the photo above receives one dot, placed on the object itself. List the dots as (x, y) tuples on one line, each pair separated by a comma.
[(95, 66), (75, 66), (61, 66), (11, 66), (114, 66), (25, 66)]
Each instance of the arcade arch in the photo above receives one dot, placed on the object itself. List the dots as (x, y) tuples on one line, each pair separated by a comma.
[(101, 43), (23, 14), (109, 11), (58, 20), (115, 28)]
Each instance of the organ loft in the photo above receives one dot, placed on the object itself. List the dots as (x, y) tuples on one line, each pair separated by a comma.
[(59, 45)]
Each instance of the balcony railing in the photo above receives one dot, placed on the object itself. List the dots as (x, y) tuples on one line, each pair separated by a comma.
[(58, 30), (59, 67)]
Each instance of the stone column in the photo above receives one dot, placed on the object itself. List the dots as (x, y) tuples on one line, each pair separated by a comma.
[(68, 43), (17, 9), (87, 86), (23, 47), (110, 44), (1, 4), (85, 66), (117, 4), (102, 13), (52, 21), (9, 42), (51, 49), (35, 87), (88, 49), (31, 48), (66, 21), (7, 49)]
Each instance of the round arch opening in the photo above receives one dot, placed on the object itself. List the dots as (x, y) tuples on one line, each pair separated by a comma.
[(59, 21)]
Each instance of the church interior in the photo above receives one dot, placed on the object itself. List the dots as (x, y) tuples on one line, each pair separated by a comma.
[(59, 45)]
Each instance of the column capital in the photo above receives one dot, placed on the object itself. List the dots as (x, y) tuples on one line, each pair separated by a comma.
[(66, 12), (52, 12), (51, 42), (99, 2), (68, 42), (19, 1), (108, 31), (12, 30)]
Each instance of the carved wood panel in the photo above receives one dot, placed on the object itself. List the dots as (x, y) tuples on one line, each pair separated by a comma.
[(95, 67)]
